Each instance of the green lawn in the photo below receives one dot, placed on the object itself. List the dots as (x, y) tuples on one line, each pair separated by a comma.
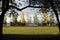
[(30, 30)]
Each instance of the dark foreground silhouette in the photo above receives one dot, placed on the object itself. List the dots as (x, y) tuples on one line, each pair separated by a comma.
[(16, 36)]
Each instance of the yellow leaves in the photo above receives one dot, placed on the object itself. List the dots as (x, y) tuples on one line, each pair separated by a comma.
[(22, 15), (45, 17), (35, 18), (29, 20), (22, 20), (52, 17)]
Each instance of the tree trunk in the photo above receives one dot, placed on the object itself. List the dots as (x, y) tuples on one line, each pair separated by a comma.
[(5, 6), (52, 5), (2, 15)]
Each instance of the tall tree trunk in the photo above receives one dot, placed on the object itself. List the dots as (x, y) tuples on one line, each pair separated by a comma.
[(5, 6), (55, 11), (2, 15)]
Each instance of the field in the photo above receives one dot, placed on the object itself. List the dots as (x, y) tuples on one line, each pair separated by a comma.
[(30, 30)]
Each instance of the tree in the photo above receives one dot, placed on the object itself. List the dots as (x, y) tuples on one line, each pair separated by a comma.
[(29, 20), (4, 21), (50, 2), (45, 17), (47, 3), (52, 18), (35, 18), (22, 18), (28, 17), (5, 7)]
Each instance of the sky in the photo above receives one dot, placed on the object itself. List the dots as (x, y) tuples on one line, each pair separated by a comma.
[(23, 3), (31, 14)]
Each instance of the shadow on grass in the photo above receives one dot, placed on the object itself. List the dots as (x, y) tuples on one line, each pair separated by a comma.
[(16, 36)]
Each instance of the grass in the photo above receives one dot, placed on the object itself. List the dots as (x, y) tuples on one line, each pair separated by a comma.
[(30, 30)]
